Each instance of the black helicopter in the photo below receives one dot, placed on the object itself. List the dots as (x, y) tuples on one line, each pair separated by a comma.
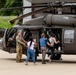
[(58, 18)]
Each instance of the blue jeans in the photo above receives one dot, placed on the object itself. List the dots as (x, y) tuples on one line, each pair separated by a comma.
[(30, 53)]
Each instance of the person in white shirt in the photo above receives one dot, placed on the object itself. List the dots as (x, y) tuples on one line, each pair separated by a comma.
[(50, 43), (30, 51)]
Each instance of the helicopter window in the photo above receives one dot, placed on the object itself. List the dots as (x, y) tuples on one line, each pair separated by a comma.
[(26, 34), (69, 36), (10, 37), (11, 31)]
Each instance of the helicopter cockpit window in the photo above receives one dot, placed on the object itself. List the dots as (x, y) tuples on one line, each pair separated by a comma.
[(69, 36), (26, 34), (10, 37)]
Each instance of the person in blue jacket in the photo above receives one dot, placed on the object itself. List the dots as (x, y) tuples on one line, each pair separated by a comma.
[(43, 44)]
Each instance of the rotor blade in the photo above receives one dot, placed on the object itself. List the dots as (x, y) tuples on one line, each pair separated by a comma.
[(12, 8), (69, 4), (28, 14), (38, 5)]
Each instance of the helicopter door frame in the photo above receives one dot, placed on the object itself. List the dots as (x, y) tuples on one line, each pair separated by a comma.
[(7, 36), (69, 44), (4, 38), (61, 34)]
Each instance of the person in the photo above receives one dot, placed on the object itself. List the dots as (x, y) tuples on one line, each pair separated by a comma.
[(50, 43), (19, 42), (30, 51), (43, 44)]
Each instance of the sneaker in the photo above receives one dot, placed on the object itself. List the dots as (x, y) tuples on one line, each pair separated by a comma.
[(35, 64), (21, 60), (17, 61), (43, 62), (26, 63)]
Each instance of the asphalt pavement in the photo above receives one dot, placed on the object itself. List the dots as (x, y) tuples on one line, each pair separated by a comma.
[(8, 66)]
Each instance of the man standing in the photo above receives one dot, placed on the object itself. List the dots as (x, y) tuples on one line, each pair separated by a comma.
[(19, 42), (43, 44)]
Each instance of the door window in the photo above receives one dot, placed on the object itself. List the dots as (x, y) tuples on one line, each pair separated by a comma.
[(69, 36)]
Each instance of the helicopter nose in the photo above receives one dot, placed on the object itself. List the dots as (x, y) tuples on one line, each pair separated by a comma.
[(1, 44)]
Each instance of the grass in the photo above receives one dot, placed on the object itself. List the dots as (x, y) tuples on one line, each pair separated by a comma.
[(4, 21)]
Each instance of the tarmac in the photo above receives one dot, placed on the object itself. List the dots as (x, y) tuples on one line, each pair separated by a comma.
[(8, 66)]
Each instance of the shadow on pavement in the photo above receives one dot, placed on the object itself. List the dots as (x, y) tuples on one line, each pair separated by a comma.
[(39, 60)]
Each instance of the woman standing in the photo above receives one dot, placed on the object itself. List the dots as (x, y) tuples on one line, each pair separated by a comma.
[(30, 51)]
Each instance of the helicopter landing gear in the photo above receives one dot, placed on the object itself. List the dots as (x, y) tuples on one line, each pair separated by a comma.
[(35, 57), (56, 57)]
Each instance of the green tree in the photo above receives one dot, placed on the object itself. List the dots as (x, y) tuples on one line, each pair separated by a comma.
[(12, 3), (2, 3)]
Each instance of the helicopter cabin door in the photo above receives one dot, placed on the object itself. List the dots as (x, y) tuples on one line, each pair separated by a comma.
[(4, 38), (69, 41), (10, 34)]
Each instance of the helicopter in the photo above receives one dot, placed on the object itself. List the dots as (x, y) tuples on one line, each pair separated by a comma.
[(52, 17), (2, 32)]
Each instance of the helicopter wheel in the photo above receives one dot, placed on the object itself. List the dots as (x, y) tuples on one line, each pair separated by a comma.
[(56, 57)]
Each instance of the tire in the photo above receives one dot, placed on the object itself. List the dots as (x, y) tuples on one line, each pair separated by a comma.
[(56, 56)]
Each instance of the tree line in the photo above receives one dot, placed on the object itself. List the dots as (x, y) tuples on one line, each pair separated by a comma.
[(8, 4)]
